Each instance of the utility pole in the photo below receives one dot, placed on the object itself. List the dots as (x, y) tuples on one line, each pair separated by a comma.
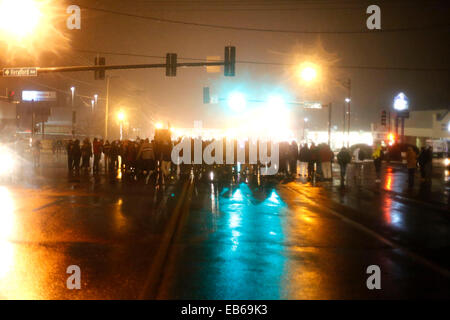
[(72, 90), (329, 124), (107, 107), (389, 123), (343, 126), (396, 125), (403, 130), (33, 115), (349, 87), (43, 126)]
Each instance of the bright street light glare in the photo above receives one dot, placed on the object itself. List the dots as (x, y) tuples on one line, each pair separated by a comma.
[(276, 102), (19, 18), (121, 116), (33, 25), (237, 101), (159, 125), (347, 100), (308, 72), (6, 161)]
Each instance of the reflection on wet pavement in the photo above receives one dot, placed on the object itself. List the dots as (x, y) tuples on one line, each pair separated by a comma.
[(255, 240), (272, 242), (111, 234)]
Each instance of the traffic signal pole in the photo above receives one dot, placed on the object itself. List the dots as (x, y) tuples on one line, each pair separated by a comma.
[(329, 124), (121, 67), (108, 79), (100, 67), (349, 87)]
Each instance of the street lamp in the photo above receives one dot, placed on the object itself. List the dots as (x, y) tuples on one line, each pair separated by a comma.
[(19, 18), (121, 117), (308, 72), (158, 125), (72, 90), (346, 114)]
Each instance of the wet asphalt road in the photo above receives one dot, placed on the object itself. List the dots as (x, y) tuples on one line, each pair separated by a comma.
[(216, 240)]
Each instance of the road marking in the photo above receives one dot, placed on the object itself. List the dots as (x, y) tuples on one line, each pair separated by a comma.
[(162, 290), (444, 272), (152, 282), (49, 205)]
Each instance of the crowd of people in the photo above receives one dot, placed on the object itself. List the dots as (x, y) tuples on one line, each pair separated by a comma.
[(423, 160), (137, 158), (141, 158)]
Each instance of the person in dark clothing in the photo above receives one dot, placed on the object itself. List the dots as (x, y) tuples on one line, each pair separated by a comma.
[(344, 158), (293, 156), (114, 155), (97, 148), (422, 160), (303, 157), (106, 152), (76, 152), (86, 154), (164, 154), (284, 157), (69, 149), (312, 161)]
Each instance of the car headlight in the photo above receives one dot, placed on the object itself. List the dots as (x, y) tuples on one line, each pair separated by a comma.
[(6, 161)]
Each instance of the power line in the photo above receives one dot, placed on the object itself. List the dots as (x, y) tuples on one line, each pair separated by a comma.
[(280, 5), (214, 26)]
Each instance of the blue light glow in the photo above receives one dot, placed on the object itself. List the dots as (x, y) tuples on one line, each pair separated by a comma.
[(237, 101)]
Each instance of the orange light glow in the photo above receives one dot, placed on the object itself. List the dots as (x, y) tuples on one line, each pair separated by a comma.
[(308, 72), (391, 139), (31, 25)]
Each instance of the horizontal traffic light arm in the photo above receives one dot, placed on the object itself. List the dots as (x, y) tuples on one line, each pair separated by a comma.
[(121, 67)]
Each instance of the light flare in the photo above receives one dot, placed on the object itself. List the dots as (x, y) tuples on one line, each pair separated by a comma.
[(32, 27)]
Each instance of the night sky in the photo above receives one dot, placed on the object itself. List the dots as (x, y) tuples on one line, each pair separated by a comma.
[(421, 48)]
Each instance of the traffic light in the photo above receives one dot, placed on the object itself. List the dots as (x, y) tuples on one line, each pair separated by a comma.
[(230, 61), (171, 65), (100, 74), (383, 118), (391, 138), (11, 95), (206, 95)]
